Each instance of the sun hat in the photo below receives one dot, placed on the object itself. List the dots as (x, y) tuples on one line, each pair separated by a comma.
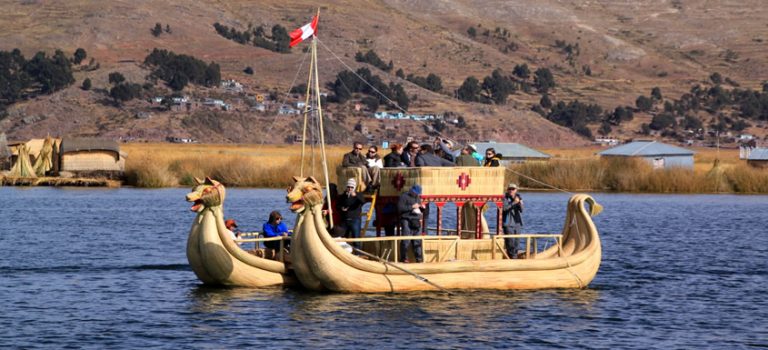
[(512, 185), (229, 223), (416, 189), (351, 183)]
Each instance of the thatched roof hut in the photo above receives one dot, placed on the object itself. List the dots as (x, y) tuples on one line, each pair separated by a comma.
[(5, 153), (91, 156), (23, 167)]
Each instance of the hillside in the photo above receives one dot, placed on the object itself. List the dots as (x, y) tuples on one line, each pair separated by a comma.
[(628, 48)]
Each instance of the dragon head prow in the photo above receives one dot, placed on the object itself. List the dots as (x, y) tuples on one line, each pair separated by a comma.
[(206, 193), (305, 192)]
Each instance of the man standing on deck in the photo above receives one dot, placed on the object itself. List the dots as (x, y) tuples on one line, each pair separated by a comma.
[(350, 205), (512, 219), (409, 206)]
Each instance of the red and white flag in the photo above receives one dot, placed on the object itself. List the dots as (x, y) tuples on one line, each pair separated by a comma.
[(304, 32)]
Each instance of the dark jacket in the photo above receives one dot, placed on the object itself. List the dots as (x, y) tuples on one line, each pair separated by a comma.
[(406, 158), (431, 159), (405, 205), (512, 213), (393, 160), (466, 160), (495, 161), (352, 160), (354, 205)]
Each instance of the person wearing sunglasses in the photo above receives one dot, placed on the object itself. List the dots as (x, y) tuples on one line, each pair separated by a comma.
[(492, 159), (410, 153), (356, 159)]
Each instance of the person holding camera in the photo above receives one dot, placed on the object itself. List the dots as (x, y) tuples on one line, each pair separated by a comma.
[(410, 206), (512, 219)]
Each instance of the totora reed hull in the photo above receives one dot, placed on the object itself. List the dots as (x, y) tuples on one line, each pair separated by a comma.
[(327, 266), (215, 258)]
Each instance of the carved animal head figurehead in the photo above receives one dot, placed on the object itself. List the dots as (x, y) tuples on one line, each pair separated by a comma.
[(207, 193), (305, 192)]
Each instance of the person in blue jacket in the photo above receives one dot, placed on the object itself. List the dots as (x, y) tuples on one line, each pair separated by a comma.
[(275, 228)]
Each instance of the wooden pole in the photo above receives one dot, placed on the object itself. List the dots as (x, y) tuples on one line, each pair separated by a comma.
[(322, 133), (307, 110), (418, 277)]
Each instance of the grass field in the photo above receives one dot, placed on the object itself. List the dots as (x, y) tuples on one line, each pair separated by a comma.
[(169, 165)]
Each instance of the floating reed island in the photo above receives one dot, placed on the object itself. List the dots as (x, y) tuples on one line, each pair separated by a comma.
[(62, 162)]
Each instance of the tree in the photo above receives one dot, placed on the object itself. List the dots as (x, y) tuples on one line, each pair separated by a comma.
[(157, 30), (52, 74), (400, 74), (498, 86), (461, 122), (605, 129), (545, 102), (663, 121), (434, 82), (212, 75), (116, 78), (469, 91), (79, 56), (716, 78), (644, 103), (656, 94), (86, 84), (543, 79), (371, 103), (691, 123), (281, 38), (168, 28), (248, 70), (522, 71), (645, 129), (472, 32), (125, 92)]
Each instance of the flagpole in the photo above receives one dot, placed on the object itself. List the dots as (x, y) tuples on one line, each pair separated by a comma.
[(322, 132), (307, 109)]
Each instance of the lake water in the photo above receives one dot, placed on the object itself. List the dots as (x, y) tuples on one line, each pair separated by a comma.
[(106, 268)]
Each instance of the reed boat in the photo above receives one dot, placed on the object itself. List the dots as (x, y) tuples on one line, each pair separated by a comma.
[(450, 261), (215, 257)]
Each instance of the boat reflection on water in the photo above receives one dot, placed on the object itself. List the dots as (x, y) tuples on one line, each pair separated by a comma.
[(474, 306)]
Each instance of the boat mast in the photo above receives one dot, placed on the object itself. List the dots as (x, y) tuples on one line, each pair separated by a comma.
[(316, 108)]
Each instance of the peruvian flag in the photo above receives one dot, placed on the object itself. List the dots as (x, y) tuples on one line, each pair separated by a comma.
[(304, 32)]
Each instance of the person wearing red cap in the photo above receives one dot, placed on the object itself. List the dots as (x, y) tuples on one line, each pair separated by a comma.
[(231, 225)]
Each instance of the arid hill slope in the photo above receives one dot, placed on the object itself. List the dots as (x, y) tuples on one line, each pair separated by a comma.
[(629, 46)]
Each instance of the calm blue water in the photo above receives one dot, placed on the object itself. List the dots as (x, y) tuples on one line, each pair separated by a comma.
[(106, 268)]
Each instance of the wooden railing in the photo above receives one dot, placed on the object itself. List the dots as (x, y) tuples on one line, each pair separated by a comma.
[(531, 243)]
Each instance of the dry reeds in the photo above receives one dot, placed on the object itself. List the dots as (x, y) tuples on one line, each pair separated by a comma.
[(636, 175), (267, 166), (168, 165)]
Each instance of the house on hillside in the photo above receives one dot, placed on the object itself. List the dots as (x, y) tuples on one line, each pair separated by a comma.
[(659, 155), (512, 152), (758, 158), (89, 157)]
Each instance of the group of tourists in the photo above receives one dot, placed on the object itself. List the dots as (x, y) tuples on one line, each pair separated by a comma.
[(410, 210), (439, 153)]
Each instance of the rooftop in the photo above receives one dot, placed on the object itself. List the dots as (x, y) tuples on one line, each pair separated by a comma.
[(758, 154), (508, 150), (646, 149)]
